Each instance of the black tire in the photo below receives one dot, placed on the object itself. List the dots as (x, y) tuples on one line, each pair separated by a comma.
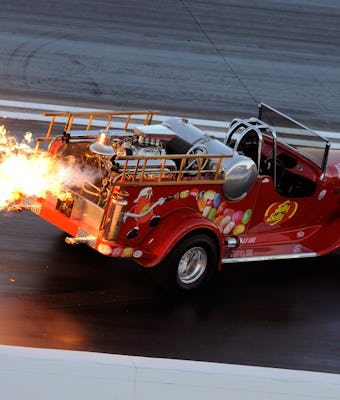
[(189, 266)]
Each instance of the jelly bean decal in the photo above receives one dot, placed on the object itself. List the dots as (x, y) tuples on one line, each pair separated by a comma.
[(228, 228), (201, 200), (206, 211), (246, 216), (127, 252), (194, 192), (209, 194), (201, 204), (206, 201), (237, 216), (229, 220), (221, 208), (217, 200), (235, 221), (239, 229), (218, 219), (212, 214), (280, 212), (184, 194), (117, 252), (229, 212)]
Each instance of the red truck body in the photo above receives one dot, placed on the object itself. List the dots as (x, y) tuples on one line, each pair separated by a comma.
[(182, 203)]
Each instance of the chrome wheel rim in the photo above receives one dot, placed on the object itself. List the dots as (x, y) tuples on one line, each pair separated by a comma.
[(192, 265)]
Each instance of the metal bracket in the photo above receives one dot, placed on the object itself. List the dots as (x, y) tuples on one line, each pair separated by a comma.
[(79, 239)]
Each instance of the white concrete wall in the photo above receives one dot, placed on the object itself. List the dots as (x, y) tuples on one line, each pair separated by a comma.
[(27, 373)]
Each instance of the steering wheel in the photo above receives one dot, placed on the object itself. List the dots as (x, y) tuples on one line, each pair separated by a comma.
[(249, 146), (267, 168), (198, 149)]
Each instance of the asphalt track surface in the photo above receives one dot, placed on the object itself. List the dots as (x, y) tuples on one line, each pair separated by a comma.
[(214, 59)]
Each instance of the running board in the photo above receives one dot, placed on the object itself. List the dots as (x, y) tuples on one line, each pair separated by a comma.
[(267, 257)]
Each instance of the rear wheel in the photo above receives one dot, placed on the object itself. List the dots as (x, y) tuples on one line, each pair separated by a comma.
[(189, 266)]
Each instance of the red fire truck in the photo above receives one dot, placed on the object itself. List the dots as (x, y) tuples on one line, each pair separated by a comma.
[(181, 203)]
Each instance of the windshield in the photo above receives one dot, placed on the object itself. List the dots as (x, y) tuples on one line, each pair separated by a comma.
[(294, 134)]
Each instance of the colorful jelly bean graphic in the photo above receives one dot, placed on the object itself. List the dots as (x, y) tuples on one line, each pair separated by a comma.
[(212, 214), (221, 208), (127, 252), (194, 192), (228, 227), (117, 252), (200, 201), (230, 221), (239, 229), (237, 216), (122, 252), (207, 201), (184, 194), (218, 219), (229, 212), (246, 216), (217, 200)]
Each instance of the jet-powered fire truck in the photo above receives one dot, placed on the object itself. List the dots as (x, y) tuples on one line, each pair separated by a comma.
[(181, 203)]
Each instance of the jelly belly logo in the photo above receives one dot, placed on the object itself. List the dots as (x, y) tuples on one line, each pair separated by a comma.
[(280, 212)]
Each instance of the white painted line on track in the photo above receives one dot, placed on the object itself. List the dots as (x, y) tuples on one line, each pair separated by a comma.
[(41, 107), (209, 126), (6, 111)]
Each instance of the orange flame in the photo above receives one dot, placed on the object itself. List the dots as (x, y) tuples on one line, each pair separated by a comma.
[(25, 171)]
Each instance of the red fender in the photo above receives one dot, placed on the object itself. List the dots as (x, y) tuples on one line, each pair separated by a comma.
[(173, 227), (327, 239)]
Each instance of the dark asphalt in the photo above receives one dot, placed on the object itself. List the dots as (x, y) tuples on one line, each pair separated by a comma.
[(213, 59), (276, 314), (196, 58)]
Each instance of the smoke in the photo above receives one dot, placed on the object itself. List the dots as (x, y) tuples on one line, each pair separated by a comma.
[(72, 174)]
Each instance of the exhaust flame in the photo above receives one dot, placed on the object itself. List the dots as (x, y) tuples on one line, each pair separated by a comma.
[(25, 171)]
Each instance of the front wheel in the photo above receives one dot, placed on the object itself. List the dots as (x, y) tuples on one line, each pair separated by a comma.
[(189, 266)]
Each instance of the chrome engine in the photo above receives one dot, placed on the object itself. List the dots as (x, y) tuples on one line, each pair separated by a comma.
[(103, 150), (239, 171)]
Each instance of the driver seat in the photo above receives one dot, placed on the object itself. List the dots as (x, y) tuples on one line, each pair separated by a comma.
[(246, 139)]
